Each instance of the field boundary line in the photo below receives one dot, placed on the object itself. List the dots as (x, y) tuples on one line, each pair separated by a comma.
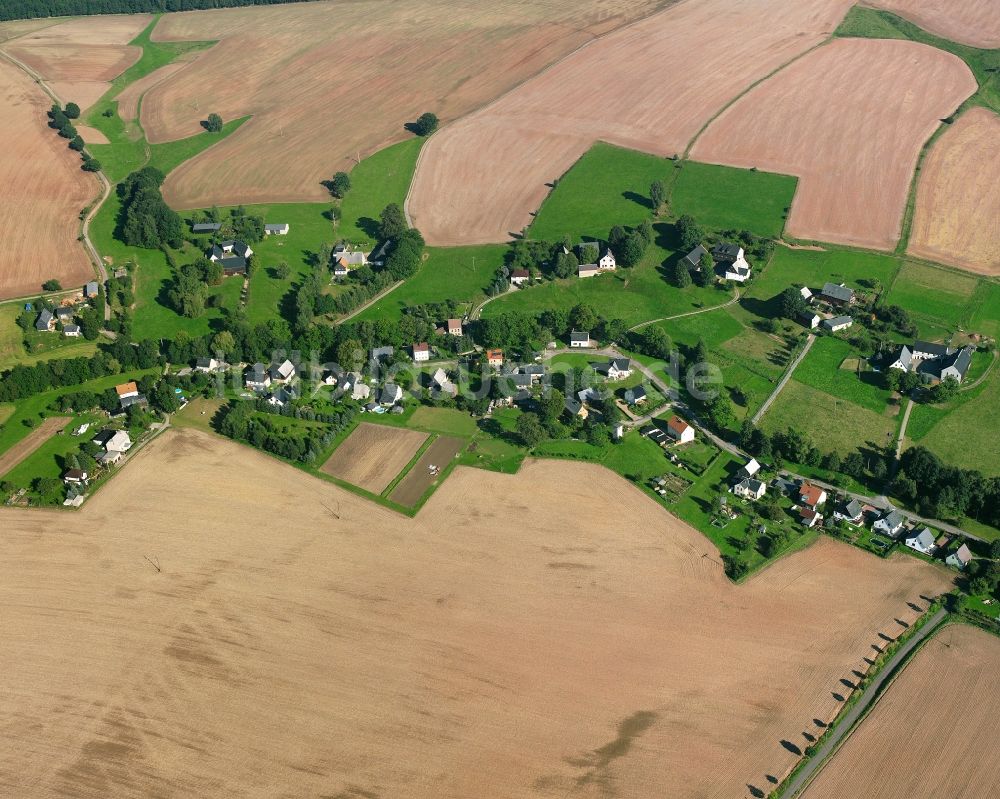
[(784, 379), (734, 299), (426, 445)]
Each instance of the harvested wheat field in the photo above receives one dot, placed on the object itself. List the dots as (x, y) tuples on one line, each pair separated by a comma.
[(650, 87), (932, 734), (326, 82), (957, 215), (20, 27), (23, 448), (849, 119), (90, 49), (128, 100), (43, 193), (975, 22), (547, 634), (373, 454), (91, 135)]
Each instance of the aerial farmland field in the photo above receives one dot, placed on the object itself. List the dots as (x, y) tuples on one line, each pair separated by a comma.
[(445, 656), (974, 22)]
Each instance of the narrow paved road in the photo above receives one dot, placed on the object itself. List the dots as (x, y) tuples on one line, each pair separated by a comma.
[(371, 302), (784, 379), (870, 694)]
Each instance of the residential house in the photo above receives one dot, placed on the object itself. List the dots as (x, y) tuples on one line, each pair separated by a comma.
[(890, 524), (519, 277), (787, 487), (535, 371), (749, 470), (902, 359), (113, 440), (749, 488), (808, 319), (519, 381), (278, 229), (851, 512), (811, 496), (421, 352), (454, 327), (349, 259), (340, 270), (494, 358), (71, 331), (282, 372), (441, 382), (588, 270), (679, 430), (75, 477), (128, 402), (954, 366), (206, 227), (921, 542), (589, 394), (45, 322), (635, 396), (208, 365), (65, 314), (578, 339), (382, 354), (390, 394), (127, 390), (693, 259), (280, 398), (615, 369), (809, 517), (655, 434), (91, 290), (925, 350), (232, 256), (360, 391), (731, 262), (960, 558), (574, 407), (837, 323), (837, 294), (110, 457), (256, 377), (806, 293), (607, 261)]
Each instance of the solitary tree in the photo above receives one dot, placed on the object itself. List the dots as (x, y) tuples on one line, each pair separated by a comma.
[(282, 270), (529, 429), (72, 110), (340, 185), (52, 285), (657, 194), (682, 276), (213, 124), (392, 222), (426, 124)]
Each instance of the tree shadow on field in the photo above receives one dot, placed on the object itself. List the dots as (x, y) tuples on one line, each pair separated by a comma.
[(492, 427), (795, 750), (368, 226), (837, 696), (635, 197), (756, 792)]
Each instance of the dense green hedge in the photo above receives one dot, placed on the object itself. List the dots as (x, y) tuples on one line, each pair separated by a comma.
[(29, 9)]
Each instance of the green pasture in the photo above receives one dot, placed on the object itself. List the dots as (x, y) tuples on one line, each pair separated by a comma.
[(821, 370)]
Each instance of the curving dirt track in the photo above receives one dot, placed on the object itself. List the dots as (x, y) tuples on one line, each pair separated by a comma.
[(957, 215), (651, 87), (43, 191), (849, 119), (549, 634), (326, 82), (929, 735), (975, 22)]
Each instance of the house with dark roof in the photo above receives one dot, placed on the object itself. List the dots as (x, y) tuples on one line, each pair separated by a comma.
[(836, 294), (71, 331), (635, 395), (731, 262), (693, 259), (519, 277), (809, 517), (808, 319), (954, 366), (889, 524), (614, 369), (390, 394), (587, 270), (232, 256), (256, 377), (921, 542), (607, 262), (65, 314), (574, 407), (851, 512), (750, 488), (901, 359), (206, 227), (837, 323), (46, 321), (75, 477), (277, 229), (579, 338), (926, 350), (281, 372)]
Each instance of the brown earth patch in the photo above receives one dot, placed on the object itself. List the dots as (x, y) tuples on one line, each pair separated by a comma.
[(975, 22), (420, 478), (92, 135), (43, 193), (928, 736), (373, 454), (849, 119), (339, 648), (957, 215), (326, 82), (23, 448), (128, 100), (650, 87), (82, 92)]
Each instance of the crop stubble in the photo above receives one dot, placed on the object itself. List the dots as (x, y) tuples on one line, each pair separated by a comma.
[(373, 454)]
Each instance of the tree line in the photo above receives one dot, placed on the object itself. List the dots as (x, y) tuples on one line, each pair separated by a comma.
[(31, 9)]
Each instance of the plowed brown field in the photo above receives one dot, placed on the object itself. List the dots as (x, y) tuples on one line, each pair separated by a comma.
[(651, 87), (975, 22), (128, 100), (549, 634), (42, 191), (932, 733), (373, 454), (328, 81), (850, 119), (957, 216)]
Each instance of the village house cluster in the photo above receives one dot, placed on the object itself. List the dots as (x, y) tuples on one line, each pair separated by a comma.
[(63, 318)]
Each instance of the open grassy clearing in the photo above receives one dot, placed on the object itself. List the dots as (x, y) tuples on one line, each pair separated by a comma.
[(726, 198), (930, 292), (380, 179), (924, 738), (36, 439), (833, 424), (984, 310), (607, 186), (461, 274), (822, 370), (326, 621)]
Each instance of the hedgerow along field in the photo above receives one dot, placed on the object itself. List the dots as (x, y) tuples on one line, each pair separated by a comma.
[(337, 608)]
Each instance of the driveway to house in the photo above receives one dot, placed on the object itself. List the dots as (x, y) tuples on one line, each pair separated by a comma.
[(870, 695), (475, 312), (370, 302), (784, 379)]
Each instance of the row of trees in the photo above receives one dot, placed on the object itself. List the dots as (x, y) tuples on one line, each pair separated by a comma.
[(251, 421), (941, 491), (61, 120)]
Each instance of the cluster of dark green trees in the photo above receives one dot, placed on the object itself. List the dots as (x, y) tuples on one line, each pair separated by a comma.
[(941, 491), (31, 9), (61, 120), (546, 418), (189, 291), (250, 421), (145, 219)]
